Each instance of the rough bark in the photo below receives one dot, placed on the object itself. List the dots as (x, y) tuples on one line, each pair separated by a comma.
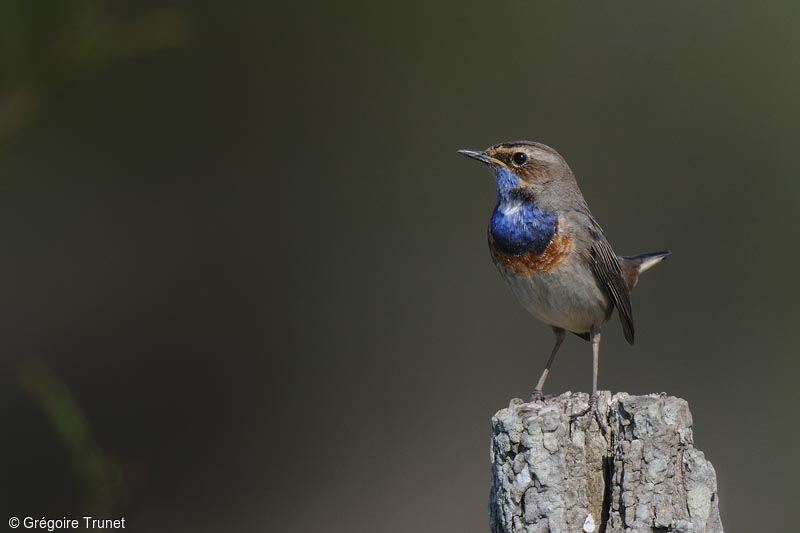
[(553, 474)]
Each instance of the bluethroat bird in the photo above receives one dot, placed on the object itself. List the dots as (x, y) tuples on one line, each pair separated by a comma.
[(552, 252)]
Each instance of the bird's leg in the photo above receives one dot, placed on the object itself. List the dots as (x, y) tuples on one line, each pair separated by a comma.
[(595, 370), (537, 392), (595, 360), (595, 337)]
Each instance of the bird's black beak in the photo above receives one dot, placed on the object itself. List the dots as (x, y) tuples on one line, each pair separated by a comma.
[(483, 157)]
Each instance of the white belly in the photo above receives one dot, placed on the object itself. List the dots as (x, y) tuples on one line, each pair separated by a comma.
[(565, 297)]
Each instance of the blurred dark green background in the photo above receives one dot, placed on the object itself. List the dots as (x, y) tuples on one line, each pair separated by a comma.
[(245, 279)]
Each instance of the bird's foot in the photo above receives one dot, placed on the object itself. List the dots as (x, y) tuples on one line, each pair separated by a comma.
[(537, 396), (594, 408)]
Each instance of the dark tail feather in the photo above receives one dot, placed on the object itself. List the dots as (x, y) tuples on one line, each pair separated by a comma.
[(633, 265)]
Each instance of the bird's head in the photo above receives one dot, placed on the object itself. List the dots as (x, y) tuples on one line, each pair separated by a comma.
[(520, 165)]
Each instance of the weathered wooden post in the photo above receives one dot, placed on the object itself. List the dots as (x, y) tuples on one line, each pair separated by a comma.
[(554, 474)]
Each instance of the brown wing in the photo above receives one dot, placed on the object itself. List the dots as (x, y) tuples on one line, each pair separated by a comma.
[(611, 279)]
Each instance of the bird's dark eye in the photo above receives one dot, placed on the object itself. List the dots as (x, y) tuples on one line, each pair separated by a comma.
[(519, 158)]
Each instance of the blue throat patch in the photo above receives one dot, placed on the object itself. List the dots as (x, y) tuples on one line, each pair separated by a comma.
[(517, 224)]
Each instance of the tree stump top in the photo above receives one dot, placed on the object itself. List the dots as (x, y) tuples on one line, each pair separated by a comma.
[(551, 473)]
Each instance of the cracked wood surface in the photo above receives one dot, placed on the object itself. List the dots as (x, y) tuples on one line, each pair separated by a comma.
[(551, 474)]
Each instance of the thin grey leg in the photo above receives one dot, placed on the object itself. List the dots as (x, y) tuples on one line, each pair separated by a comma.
[(595, 338), (537, 392), (595, 358), (595, 370)]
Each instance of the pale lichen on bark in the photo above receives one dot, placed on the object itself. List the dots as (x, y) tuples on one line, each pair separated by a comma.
[(553, 474)]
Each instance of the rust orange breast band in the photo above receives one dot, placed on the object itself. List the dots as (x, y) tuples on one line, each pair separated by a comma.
[(528, 262)]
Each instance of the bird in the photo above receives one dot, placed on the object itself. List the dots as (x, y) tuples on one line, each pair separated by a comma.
[(554, 254)]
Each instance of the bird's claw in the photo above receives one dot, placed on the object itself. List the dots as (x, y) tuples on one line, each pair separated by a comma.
[(537, 396), (594, 408)]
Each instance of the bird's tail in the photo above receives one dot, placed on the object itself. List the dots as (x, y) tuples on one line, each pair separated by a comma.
[(633, 265)]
